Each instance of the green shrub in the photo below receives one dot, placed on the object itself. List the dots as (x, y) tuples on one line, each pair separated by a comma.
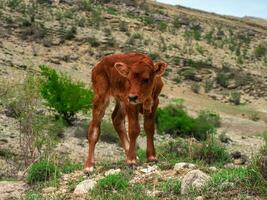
[(246, 180), (171, 187), (208, 86), (33, 196), (254, 116), (189, 74), (93, 41), (195, 34), (222, 79), (176, 60), (211, 152), (123, 26), (261, 51), (176, 22), (69, 33), (210, 118), (64, 95), (14, 4), (68, 166), (176, 121), (162, 26), (41, 171), (177, 79), (117, 182), (235, 97), (195, 87), (148, 20)]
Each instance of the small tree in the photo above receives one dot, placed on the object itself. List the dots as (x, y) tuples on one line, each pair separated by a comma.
[(64, 95)]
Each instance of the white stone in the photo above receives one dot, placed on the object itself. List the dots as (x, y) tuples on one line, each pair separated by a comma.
[(149, 169), (49, 190), (84, 186), (195, 179), (213, 169), (180, 166), (112, 171)]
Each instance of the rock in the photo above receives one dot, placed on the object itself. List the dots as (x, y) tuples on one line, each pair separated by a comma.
[(197, 78), (149, 169), (240, 161), (213, 169), (232, 85), (83, 187), (195, 179), (12, 189), (49, 190), (181, 166), (230, 165), (112, 171), (226, 185), (236, 154), (224, 138)]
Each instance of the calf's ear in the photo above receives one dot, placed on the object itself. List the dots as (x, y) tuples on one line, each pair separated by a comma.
[(122, 68), (160, 67)]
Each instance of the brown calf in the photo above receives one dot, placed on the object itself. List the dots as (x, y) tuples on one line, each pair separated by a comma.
[(135, 83)]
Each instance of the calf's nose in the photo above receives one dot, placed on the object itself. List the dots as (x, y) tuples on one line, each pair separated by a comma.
[(132, 98)]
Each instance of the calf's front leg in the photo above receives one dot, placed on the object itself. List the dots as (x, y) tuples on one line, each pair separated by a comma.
[(133, 132), (149, 126)]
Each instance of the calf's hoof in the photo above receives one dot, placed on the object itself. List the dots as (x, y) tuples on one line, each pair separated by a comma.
[(152, 160), (88, 170)]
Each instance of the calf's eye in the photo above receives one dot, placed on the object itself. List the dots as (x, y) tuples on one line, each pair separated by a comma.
[(145, 81)]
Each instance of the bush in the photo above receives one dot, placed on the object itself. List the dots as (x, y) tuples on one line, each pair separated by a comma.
[(247, 180), (210, 118), (69, 33), (261, 51), (41, 171), (64, 95), (38, 132), (162, 26), (68, 166), (235, 97), (189, 74), (93, 41), (171, 187), (195, 87), (189, 34), (208, 85), (222, 79), (176, 121), (123, 26), (113, 182), (176, 22), (211, 152)]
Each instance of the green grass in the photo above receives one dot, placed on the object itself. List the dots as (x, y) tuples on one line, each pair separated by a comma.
[(175, 121), (42, 171), (246, 180), (170, 188)]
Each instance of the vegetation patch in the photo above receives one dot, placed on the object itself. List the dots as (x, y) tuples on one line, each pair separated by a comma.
[(64, 95), (42, 171), (177, 122)]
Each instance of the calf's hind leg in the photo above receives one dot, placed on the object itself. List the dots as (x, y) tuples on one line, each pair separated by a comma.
[(118, 119), (100, 103)]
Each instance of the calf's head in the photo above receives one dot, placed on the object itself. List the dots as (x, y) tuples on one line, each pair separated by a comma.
[(141, 76)]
